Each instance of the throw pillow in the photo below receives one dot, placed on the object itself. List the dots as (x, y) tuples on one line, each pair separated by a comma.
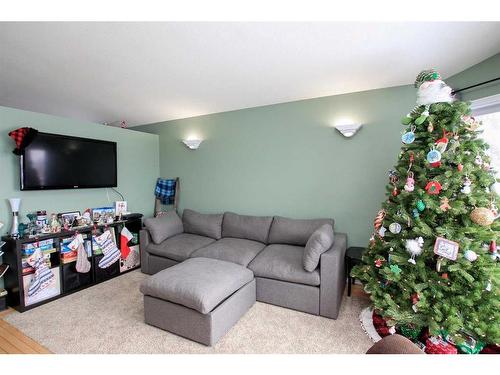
[(208, 225), (319, 242), (165, 226)]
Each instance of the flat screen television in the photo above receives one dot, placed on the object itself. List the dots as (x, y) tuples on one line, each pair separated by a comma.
[(53, 161)]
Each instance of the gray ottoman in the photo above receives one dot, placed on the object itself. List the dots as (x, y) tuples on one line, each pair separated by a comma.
[(200, 298)]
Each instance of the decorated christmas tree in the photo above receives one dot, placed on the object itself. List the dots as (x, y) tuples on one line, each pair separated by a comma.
[(431, 265)]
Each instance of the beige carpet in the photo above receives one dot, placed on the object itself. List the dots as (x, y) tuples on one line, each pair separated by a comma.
[(108, 318)]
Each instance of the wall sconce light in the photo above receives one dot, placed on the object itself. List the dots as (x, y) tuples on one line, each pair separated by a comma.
[(348, 130), (192, 144)]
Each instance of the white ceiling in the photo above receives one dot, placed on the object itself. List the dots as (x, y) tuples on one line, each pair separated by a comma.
[(149, 72)]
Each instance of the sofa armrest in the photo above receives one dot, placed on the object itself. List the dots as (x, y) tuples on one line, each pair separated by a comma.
[(144, 241), (333, 279)]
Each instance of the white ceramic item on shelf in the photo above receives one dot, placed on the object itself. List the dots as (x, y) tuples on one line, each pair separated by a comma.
[(15, 203)]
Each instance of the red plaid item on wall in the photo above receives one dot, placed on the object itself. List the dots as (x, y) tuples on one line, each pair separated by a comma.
[(436, 345), (23, 137)]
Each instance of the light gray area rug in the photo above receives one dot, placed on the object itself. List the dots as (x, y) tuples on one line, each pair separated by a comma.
[(108, 318)]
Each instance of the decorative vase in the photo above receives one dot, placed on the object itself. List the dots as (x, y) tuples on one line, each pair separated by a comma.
[(15, 203)]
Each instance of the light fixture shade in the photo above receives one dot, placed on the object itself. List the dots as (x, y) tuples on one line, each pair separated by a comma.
[(192, 144), (348, 130)]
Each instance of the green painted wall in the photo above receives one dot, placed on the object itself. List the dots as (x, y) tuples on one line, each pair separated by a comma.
[(286, 159), (484, 71), (138, 166)]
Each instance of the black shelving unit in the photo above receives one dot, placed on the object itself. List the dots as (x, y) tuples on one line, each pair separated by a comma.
[(67, 281)]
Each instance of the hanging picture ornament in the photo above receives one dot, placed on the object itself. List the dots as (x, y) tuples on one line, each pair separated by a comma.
[(494, 209), (445, 206), (410, 182), (470, 255), (495, 187), (467, 188), (415, 248), (414, 300), (482, 216), (395, 228), (433, 156), (494, 250), (420, 205), (442, 143), (379, 219), (394, 180), (409, 137), (433, 187), (446, 248), (470, 123), (381, 232)]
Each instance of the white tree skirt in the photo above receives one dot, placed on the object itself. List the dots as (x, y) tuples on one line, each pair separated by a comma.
[(366, 319)]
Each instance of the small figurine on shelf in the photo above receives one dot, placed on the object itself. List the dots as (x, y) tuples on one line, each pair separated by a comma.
[(87, 217), (55, 225), (22, 229), (109, 219), (31, 228), (46, 229), (66, 224)]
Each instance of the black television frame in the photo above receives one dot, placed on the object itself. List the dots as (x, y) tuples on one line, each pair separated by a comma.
[(69, 187)]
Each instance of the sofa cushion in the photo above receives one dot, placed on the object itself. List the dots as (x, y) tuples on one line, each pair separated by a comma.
[(234, 250), (319, 242), (198, 283), (283, 262), (254, 228), (179, 247), (209, 225), (294, 231), (162, 227)]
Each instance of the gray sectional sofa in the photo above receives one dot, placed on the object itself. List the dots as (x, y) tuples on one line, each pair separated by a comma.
[(271, 247)]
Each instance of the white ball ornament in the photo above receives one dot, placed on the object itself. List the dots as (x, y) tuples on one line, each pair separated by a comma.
[(495, 188), (470, 255), (395, 228)]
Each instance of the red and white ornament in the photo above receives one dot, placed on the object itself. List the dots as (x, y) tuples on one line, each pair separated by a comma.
[(379, 219), (433, 187), (442, 143), (379, 263)]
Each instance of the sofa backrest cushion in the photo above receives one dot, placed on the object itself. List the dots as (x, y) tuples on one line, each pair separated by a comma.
[(319, 242), (254, 228), (294, 231), (165, 226), (208, 225)]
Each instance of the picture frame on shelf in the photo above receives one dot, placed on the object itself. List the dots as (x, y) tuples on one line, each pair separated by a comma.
[(71, 217), (103, 215)]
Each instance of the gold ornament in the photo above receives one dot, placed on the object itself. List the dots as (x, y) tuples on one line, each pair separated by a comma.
[(430, 127), (482, 216)]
